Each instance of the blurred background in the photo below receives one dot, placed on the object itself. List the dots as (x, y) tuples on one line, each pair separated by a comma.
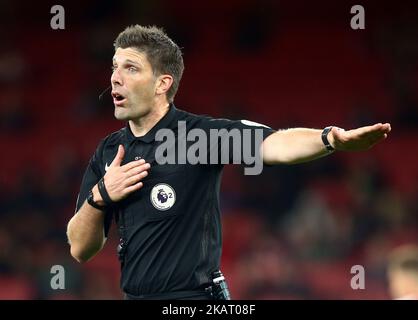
[(293, 232)]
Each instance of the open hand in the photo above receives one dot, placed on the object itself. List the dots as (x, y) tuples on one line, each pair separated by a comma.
[(120, 181), (358, 139)]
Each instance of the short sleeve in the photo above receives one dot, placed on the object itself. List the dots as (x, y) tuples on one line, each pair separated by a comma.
[(234, 141)]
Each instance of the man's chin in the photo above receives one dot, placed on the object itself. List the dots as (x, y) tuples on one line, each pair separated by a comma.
[(121, 115)]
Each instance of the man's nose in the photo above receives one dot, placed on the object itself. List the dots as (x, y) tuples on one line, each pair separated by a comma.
[(116, 78)]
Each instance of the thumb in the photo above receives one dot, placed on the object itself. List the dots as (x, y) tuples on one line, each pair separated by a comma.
[(336, 136), (119, 157), (337, 132)]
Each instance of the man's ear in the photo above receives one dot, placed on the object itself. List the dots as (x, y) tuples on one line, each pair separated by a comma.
[(164, 83)]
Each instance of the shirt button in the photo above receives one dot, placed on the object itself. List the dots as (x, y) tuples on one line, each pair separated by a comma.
[(137, 158)]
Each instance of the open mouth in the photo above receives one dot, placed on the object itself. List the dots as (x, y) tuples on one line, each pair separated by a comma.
[(118, 98)]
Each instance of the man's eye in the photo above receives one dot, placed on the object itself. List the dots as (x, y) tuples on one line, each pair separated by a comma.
[(132, 69), (113, 68)]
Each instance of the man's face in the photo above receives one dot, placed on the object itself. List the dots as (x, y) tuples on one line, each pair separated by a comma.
[(133, 84), (402, 284)]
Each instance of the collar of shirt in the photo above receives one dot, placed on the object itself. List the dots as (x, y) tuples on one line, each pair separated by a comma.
[(150, 136)]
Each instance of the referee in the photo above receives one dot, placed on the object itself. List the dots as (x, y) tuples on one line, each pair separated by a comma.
[(167, 213)]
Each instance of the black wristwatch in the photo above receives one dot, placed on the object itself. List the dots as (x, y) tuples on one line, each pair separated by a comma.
[(90, 201), (324, 137)]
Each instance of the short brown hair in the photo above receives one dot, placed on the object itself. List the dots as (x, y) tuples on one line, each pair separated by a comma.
[(163, 54)]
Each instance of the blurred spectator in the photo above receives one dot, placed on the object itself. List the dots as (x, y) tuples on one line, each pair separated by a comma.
[(15, 116), (12, 66), (313, 232), (403, 272)]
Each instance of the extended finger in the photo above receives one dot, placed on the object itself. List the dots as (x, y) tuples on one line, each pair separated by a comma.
[(387, 128), (136, 178), (132, 164), (383, 127), (134, 187), (137, 170), (368, 131), (377, 133)]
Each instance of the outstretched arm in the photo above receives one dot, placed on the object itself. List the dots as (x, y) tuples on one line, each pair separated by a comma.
[(301, 144)]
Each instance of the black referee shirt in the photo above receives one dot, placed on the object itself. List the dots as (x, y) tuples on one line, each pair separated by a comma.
[(170, 229)]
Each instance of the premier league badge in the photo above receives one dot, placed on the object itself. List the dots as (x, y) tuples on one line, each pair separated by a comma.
[(163, 196)]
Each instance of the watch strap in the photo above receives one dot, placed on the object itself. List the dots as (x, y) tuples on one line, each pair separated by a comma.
[(325, 140), (90, 201)]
